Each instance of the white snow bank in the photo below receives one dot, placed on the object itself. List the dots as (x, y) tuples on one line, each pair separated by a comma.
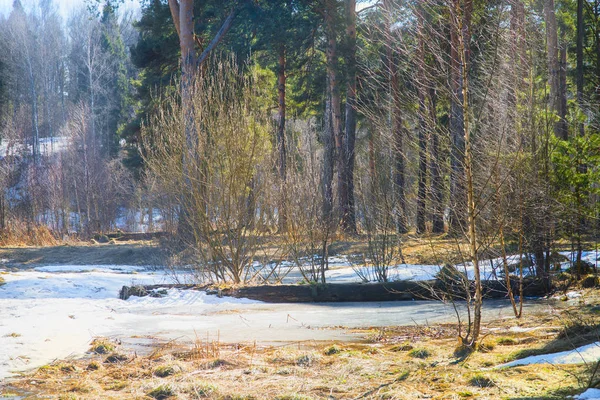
[(583, 354), (590, 394), (53, 315), (395, 273)]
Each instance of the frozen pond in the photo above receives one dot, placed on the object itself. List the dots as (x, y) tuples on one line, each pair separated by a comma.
[(55, 311)]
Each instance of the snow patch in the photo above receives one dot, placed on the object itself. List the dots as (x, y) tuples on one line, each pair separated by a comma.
[(590, 394), (584, 354)]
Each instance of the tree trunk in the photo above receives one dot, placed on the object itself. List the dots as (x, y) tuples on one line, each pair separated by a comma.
[(328, 161), (597, 43), (459, 32), (563, 125), (437, 183), (471, 212), (554, 67), (335, 97), (580, 77), (35, 146), (397, 124), (281, 71), (348, 221), (422, 124), (183, 18)]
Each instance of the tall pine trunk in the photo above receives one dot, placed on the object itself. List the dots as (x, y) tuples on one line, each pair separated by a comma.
[(437, 182), (183, 17), (282, 167), (396, 124), (334, 92), (459, 36), (554, 69), (422, 123), (348, 221), (328, 160)]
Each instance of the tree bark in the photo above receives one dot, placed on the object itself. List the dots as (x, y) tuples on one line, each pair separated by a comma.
[(185, 21), (328, 160), (580, 75), (334, 93), (459, 32), (437, 183), (554, 74), (397, 124), (422, 123), (348, 221), (281, 71), (471, 208)]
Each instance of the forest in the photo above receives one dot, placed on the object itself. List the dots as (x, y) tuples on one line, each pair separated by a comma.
[(261, 133)]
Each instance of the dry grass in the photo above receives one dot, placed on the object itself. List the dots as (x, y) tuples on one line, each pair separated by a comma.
[(23, 235), (396, 363), (124, 253)]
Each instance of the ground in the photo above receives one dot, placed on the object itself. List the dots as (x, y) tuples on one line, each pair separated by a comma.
[(81, 253), (422, 361), (398, 363)]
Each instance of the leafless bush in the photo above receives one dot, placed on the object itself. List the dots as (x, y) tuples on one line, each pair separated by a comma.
[(218, 174), (309, 233)]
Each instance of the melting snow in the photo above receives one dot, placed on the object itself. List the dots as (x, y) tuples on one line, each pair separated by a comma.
[(584, 354), (590, 394)]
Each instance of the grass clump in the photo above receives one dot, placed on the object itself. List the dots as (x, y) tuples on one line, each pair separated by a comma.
[(481, 381), (402, 347), (102, 346), (202, 390), (304, 361), (216, 363), (517, 355), (164, 370), (115, 385), (93, 366), (485, 347), (162, 392), (13, 334), (332, 350), (67, 368), (462, 351), (506, 341), (115, 358), (419, 353)]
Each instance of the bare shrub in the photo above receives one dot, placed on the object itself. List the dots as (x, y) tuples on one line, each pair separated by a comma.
[(217, 175)]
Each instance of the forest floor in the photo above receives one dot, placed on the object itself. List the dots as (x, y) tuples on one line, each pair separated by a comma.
[(410, 362)]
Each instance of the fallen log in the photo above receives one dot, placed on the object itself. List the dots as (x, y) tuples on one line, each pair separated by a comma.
[(354, 292)]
